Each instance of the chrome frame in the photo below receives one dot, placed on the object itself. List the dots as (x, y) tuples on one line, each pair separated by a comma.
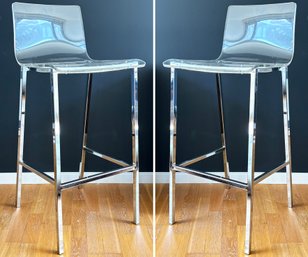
[(172, 160), (85, 126), (21, 132), (56, 181), (135, 144), (222, 125), (57, 157), (287, 132), (251, 180), (252, 125)]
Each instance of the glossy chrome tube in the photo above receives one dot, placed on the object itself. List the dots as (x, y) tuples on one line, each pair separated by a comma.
[(101, 175), (41, 174), (106, 157), (222, 124), (57, 158), (21, 132), (251, 157), (202, 157), (172, 161), (269, 173), (135, 145), (85, 126), (227, 181), (287, 132)]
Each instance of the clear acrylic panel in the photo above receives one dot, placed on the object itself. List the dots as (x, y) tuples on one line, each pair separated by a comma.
[(255, 36), (47, 33), (52, 36), (260, 33)]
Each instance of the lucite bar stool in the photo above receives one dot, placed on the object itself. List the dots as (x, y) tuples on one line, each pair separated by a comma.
[(50, 39), (257, 39)]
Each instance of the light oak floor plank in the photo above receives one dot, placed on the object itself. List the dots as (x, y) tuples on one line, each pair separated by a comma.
[(210, 221), (97, 221)]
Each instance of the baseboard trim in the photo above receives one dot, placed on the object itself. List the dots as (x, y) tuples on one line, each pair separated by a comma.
[(147, 178), (31, 178), (277, 178)]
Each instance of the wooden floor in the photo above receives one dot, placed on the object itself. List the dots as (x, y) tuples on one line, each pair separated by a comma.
[(210, 221), (97, 222)]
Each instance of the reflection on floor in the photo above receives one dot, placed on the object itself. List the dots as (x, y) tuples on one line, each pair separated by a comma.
[(210, 221), (97, 221)]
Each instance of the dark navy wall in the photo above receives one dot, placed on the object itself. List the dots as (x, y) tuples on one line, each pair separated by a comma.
[(194, 30), (123, 29), (114, 30)]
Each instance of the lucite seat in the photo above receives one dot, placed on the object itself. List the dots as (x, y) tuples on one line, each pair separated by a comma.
[(50, 39), (257, 39), (88, 66)]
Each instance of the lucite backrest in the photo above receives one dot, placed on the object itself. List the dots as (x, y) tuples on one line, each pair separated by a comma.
[(260, 33), (48, 33)]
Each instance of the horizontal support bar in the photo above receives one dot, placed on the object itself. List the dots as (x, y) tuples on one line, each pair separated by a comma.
[(267, 174), (41, 174), (227, 181), (77, 182), (202, 157), (106, 157)]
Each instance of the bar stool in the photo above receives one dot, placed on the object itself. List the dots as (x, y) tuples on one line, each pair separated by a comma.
[(257, 39), (50, 39)]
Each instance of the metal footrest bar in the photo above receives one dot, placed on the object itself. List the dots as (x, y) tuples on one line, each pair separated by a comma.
[(77, 182), (202, 157), (227, 181), (106, 157), (267, 174), (41, 174)]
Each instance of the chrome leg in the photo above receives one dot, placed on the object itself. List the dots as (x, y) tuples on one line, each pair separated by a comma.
[(222, 125), (57, 158), (251, 157), (171, 196), (172, 161), (287, 134), (21, 132), (85, 126), (135, 145)]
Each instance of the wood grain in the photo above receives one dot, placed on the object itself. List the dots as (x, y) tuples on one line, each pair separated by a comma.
[(97, 222), (210, 221)]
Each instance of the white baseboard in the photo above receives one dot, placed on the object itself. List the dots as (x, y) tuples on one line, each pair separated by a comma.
[(277, 178), (147, 178), (31, 178)]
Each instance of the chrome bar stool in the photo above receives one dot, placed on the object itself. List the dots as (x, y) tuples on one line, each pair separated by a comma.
[(257, 39), (50, 39)]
